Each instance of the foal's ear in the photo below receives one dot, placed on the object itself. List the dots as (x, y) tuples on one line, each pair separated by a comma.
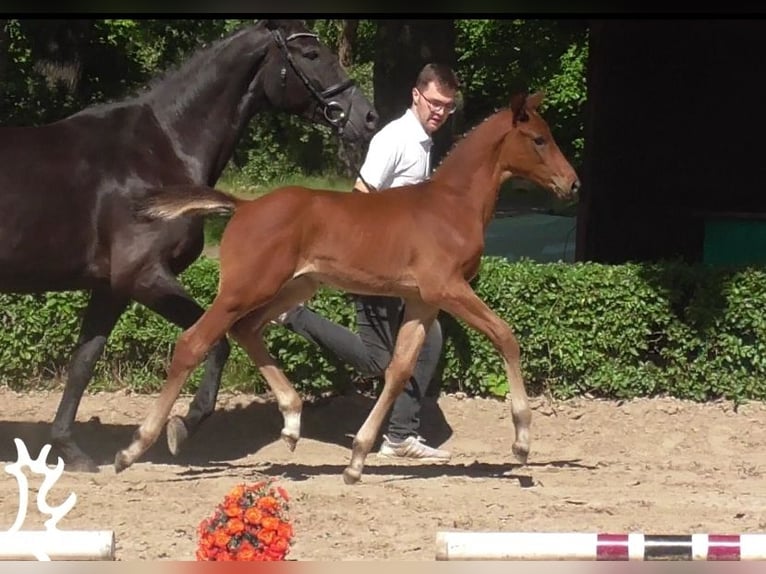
[(534, 100), (518, 107)]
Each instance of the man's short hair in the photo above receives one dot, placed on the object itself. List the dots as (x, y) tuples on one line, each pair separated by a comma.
[(440, 74)]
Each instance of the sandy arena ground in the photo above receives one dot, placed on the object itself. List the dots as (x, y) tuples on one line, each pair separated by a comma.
[(654, 466)]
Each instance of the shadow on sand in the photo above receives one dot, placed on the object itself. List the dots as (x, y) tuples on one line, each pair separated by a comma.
[(226, 436), (231, 434)]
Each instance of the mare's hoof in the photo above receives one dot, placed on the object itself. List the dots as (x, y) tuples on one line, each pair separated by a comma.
[(351, 476), (121, 462), (75, 460), (82, 464), (291, 441), (520, 452), (177, 433)]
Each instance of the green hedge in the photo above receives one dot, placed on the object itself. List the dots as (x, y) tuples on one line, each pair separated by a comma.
[(613, 331)]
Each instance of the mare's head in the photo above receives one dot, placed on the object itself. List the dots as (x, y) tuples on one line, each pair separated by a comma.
[(530, 151), (303, 76)]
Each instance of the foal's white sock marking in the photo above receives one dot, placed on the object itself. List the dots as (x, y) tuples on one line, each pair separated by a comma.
[(292, 426)]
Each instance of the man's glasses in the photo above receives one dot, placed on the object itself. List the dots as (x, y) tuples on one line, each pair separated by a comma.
[(447, 108)]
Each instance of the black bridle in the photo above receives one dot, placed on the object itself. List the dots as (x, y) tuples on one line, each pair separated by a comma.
[(332, 110)]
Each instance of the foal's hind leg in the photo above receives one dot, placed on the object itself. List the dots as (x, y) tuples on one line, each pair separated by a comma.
[(418, 317), (460, 301), (159, 290), (248, 332), (102, 313)]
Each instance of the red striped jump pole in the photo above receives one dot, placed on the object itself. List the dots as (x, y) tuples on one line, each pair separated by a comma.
[(597, 546)]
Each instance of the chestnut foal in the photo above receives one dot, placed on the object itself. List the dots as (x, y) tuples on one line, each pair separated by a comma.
[(421, 242)]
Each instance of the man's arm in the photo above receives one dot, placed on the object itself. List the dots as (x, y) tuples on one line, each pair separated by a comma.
[(378, 167)]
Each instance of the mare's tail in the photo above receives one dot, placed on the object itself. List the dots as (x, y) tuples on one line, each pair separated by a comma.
[(175, 201)]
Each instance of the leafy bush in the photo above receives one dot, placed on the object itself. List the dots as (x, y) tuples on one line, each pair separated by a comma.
[(618, 331)]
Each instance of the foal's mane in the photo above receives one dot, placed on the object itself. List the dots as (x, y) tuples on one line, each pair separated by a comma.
[(473, 146)]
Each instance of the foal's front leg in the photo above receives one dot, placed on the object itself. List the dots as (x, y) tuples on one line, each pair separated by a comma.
[(418, 317), (460, 301), (189, 351), (161, 291)]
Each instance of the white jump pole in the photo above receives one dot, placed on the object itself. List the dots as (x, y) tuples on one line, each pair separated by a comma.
[(597, 546), (57, 545)]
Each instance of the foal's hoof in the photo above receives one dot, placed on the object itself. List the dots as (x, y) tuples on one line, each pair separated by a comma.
[(520, 452), (121, 462), (351, 476), (290, 440), (177, 433)]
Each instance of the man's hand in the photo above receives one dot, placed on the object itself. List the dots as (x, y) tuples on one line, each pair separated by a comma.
[(361, 187)]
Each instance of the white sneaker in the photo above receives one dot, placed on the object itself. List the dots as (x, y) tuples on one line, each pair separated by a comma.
[(412, 448)]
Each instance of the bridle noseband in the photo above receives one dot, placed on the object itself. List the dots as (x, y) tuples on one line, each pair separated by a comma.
[(333, 111)]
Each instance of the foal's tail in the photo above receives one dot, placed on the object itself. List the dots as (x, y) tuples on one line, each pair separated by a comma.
[(175, 201)]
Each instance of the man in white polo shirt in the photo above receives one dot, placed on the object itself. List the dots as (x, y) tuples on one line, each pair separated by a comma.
[(399, 154)]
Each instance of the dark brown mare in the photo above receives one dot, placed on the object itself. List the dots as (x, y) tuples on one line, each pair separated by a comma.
[(67, 189), (422, 242)]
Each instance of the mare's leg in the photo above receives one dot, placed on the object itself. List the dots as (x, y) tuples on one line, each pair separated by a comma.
[(160, 290), (418, 317), (248, 332), (190, 349), (460, 301), (102, 313)]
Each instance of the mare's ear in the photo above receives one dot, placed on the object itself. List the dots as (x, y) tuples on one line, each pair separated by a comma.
[(287, 26), (518, 107)]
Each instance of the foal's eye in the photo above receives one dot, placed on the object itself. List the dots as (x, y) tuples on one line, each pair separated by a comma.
[(311, 54), (539, 140)]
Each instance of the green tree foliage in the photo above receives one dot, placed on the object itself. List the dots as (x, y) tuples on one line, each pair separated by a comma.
[(497, 58), (53, 68), (57, 67)]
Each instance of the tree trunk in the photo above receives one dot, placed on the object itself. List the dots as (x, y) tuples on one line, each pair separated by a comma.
[(347, 41), (57, 49), (4, 46)]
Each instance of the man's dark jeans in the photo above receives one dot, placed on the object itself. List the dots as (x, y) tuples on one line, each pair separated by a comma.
[(369, 351)]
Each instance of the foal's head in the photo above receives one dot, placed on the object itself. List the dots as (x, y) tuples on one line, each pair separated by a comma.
[(303, 76), (530, 151)]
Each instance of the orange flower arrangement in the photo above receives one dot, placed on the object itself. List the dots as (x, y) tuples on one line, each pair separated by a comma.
[(250, 524)]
